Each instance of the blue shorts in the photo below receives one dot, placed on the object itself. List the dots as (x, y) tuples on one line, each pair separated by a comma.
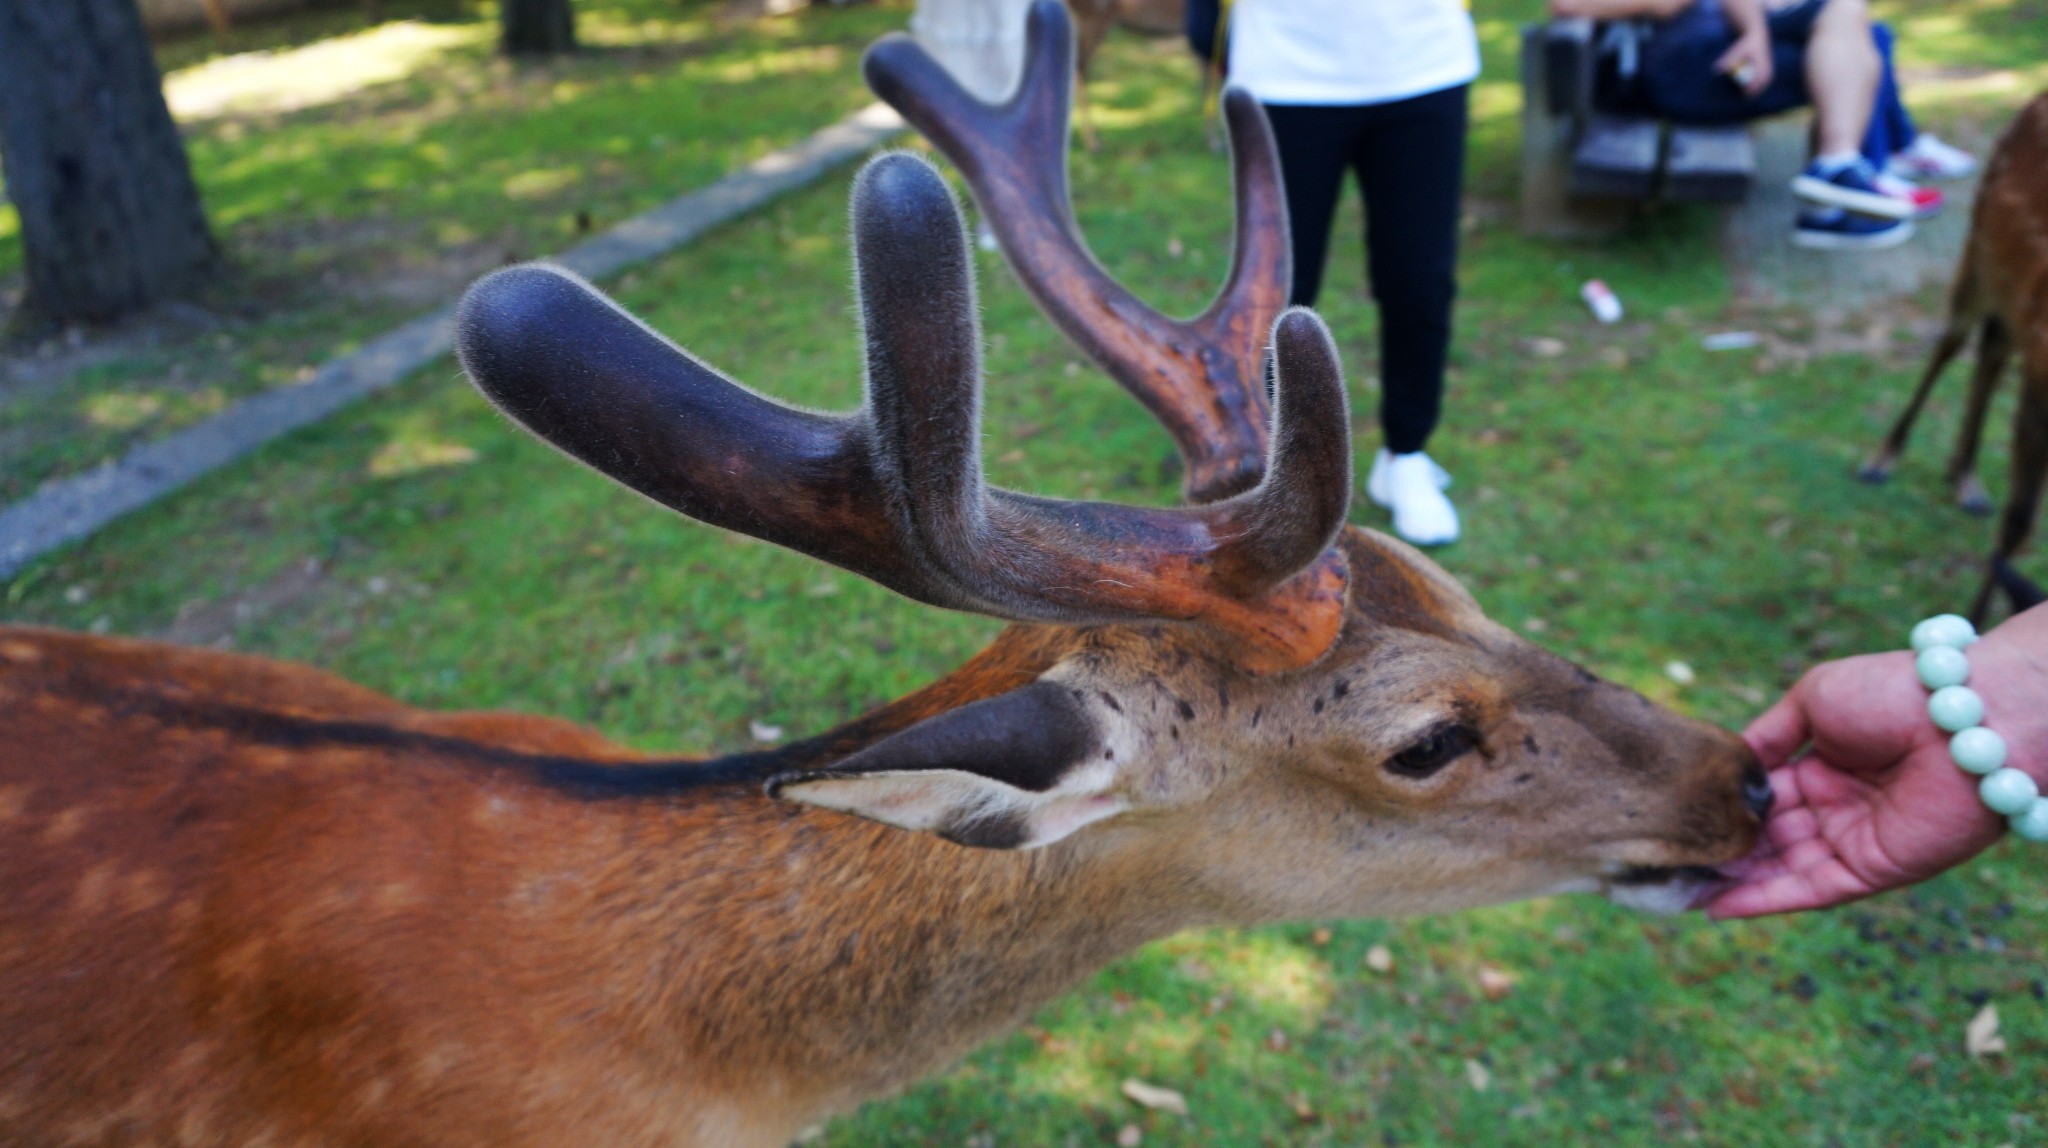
[(1678, 76)]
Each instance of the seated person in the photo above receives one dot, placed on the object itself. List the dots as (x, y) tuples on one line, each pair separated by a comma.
[(1894, 144), (1725, 61)]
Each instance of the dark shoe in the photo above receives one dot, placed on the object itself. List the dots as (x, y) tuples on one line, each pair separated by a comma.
[(1853, 188), (1833, 229)]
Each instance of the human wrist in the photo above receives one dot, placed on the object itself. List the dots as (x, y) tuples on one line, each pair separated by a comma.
[(1985, 697), (2009, 668)]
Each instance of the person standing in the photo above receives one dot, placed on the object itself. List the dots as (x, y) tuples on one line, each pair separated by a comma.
[(1376, 87)]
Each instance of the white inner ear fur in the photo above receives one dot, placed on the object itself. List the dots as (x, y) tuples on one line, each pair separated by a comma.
[(949, 799)]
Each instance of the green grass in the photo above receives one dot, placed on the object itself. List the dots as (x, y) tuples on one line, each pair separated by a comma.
[(1630, 500), (345, 207)]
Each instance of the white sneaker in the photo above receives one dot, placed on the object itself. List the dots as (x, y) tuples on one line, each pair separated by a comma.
[(1412, 486), (1929, 158), (1376, 480)]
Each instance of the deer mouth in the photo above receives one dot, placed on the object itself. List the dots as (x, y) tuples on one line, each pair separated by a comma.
[(1660, 874), (1663, 889)]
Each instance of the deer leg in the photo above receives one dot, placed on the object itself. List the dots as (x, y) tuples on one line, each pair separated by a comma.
[(1878, 467), (1993, 349), (2029, 475), (1086, 107)]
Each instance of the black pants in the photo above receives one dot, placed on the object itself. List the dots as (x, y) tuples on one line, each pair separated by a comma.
[(1410, 160)]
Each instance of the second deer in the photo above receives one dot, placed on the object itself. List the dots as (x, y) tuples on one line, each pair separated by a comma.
[(2000, 297)]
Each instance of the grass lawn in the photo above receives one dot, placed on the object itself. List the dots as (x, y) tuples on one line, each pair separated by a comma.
[(1631, 500), (360, 173)]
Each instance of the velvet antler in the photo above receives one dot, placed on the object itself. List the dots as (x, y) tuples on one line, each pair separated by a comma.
[(1202, 377), (894, 491)]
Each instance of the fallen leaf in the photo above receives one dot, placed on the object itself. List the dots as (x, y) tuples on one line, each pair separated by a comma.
[(1495, 983), (1277, 1040), (1477, 1074), (1319, 938), (1680, 672), (1156, 1098), (1545, 347), (1303, 1110), (1379, 960), (764, 733), (1981, 1037), (1129, 1137)]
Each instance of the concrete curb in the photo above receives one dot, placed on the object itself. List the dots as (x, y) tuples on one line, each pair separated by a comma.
[(65, 510)]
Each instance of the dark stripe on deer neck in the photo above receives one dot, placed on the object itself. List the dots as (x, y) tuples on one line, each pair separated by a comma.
[(581, 777)]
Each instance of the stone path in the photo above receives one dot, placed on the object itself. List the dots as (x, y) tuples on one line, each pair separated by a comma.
[(1757, 236), (67, 509)]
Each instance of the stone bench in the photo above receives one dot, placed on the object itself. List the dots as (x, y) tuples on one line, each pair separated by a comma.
[(1586, 164)]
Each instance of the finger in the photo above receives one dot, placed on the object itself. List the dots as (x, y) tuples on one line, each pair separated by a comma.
[(1780, 731), (1818, 885), (1789, 827)]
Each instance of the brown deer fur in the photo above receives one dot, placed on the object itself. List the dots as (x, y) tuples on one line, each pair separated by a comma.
[(2000, 296), (252, 903), (246, 903)]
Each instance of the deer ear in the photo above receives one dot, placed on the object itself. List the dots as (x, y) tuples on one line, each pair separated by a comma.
[(1016, 771)]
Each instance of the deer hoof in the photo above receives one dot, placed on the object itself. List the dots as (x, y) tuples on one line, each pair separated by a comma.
[(1875, 471), (1971, 497)]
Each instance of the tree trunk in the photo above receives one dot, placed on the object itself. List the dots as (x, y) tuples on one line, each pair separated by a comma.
[(980, 41), (538, 27), (110, 217)]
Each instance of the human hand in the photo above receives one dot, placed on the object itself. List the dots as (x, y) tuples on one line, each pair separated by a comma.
[(1748, 61), (1876, 802)]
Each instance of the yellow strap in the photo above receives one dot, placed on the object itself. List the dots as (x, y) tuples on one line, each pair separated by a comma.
[(1212, 75)]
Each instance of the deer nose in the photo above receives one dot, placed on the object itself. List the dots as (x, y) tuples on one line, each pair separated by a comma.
[(1756, 792)]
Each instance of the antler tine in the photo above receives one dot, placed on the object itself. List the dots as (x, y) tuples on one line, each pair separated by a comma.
[(895, 492), (1202, 378), (585, 376)]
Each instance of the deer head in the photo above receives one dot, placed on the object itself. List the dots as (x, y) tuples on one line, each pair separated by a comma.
[(1295, 717)]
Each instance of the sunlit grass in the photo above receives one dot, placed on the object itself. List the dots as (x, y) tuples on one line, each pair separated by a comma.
[(359, 176), (319, 73), (1645, 500)]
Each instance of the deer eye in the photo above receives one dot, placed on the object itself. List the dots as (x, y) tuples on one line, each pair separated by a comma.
[(1440, 748)]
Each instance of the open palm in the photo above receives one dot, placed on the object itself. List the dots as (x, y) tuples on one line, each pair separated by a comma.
[(1875, 801)]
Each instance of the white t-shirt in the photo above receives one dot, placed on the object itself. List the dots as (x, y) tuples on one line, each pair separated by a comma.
[(1350, 51)]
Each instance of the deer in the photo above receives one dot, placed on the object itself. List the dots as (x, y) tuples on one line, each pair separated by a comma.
[(1999, 297), (1093, 21), (247, 902)]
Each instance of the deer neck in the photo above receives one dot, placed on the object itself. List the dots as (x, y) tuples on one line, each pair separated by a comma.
[(882, 956)]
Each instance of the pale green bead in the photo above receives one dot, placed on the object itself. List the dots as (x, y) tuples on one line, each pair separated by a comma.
[(1943, 630), (2009, 791), (2033, 824), (1955, 708), (1978, 750), (1941, 666)]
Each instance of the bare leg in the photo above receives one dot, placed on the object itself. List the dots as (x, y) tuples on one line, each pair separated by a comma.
[(1842, 69), (2029, 474), (1993, 349)]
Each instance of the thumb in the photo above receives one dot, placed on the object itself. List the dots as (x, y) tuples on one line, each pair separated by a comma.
[(1781, 730)]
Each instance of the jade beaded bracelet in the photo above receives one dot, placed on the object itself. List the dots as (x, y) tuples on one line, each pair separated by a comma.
[(1938, 646)]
